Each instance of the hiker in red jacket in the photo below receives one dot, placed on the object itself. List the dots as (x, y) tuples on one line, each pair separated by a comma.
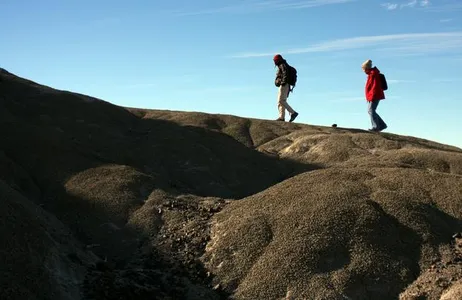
[(374, 93), (283, 85)]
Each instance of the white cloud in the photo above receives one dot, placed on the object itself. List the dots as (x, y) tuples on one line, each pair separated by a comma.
[(445, 6), (408, 4), (410, 43), (397, 81), (445, 20), (253, 6), (390, 6), (411, 3), (425, 3)]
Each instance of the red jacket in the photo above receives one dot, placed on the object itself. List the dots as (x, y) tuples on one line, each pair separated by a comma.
[(374, 89)]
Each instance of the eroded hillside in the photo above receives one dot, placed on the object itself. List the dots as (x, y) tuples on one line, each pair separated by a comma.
[(104, 202)]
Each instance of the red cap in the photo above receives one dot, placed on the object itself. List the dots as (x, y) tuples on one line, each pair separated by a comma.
[(277, 57)]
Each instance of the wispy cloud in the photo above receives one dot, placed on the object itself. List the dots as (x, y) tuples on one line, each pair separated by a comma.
[(390, 6), (445, 20), (407, 4), (415, 3), (411, 43), (425, 5), (397, 81), (445, 6), (254, 6)]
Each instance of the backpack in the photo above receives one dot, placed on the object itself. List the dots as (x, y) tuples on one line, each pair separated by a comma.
[(383, 82), (291, 75)]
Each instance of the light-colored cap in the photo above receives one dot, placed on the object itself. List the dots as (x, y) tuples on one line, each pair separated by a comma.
[(367, 64)]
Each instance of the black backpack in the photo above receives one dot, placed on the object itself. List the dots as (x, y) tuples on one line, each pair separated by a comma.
[(291, 75), (383, 82)]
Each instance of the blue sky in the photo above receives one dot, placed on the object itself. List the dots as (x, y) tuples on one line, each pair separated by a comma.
[(215, 56)]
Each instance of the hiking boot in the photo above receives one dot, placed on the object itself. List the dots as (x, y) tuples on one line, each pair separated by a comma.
[(280, 119), (293, 116)]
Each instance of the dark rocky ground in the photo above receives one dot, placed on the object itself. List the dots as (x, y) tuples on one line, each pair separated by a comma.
[(105, 202)]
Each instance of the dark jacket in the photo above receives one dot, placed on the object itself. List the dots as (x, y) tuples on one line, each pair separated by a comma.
[(281, 75), (373, 88)]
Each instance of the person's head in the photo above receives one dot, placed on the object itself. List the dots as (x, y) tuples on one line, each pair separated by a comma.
[(367, 65), (277, 59)]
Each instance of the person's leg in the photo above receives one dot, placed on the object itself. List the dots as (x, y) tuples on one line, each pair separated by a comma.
[(293, 113), (281, 109), (381, 124), (282, 101), (371, 110)]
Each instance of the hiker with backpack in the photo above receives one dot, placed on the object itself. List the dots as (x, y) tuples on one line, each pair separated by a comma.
[(286, 78), (375, 86)]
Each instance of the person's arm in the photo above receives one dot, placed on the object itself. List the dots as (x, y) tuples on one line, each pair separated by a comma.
[(284, 71), (277, 80), (369, 84), (369, 87)]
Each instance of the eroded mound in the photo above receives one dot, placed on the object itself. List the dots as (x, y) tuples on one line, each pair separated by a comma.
[(342, 232), (39, 257)]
